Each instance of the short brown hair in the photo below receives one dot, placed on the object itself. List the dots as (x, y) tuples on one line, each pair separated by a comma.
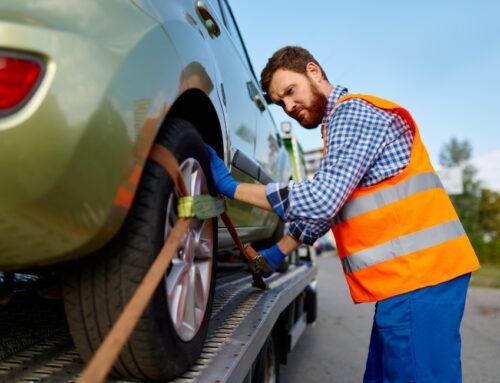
[(291, 58)]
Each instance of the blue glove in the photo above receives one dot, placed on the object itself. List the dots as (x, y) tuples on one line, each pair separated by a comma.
[(273, 256), (224, 182)]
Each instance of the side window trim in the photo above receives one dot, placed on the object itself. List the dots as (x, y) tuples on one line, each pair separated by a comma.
[(225, 8), (216, 4)]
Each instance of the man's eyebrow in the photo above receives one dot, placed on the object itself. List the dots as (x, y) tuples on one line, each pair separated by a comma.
[(278, 100), (281, 95), (275, 100)]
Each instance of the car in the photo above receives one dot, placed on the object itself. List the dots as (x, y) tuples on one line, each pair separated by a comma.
[(323, 245), (86, 89)]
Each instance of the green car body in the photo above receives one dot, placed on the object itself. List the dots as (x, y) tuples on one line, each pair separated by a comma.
[(71, 157)]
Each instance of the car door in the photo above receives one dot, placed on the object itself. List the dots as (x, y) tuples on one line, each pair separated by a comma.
[(204, 33), (264, 155), (267, 138), (242, 100)]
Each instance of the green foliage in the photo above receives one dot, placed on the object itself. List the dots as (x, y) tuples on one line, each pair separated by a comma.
[(478, 209), (467, 203), (489, 222), (489, 213), (487, 276), (455, 153)]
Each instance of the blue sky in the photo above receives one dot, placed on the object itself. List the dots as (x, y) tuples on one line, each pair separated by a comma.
[(440, 59)]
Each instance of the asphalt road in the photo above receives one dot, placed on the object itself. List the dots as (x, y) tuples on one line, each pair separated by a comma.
[(335, 349)]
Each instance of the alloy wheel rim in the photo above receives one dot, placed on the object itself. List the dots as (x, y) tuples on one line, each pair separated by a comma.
[(188, 280)]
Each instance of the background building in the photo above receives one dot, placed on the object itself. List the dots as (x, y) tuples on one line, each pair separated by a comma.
[(312, 159)]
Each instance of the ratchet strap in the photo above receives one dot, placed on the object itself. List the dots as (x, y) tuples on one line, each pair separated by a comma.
[(253, 258), (202, 207)]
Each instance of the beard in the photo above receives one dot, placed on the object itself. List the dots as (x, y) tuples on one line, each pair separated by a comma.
[(316, 108)]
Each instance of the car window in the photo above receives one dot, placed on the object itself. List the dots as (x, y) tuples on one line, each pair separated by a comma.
[(234, 31)]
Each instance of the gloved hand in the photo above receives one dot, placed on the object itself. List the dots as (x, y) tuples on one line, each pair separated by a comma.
[(273, 256), (224, 182)]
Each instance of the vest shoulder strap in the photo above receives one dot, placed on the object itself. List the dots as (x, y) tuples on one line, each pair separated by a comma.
[(383, 104), (377, 101)]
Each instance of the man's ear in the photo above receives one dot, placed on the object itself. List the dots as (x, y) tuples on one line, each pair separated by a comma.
[(314, 71)]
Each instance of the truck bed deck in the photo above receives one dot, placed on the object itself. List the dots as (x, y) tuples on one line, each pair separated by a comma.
[(35, 344)]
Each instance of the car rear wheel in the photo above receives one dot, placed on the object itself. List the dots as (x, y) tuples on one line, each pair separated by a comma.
[(170, 334)]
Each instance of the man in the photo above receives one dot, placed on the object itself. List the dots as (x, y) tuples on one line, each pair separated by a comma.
[(398, 237)]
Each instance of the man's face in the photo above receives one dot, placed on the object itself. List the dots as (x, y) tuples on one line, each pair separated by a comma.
[(299, 96)]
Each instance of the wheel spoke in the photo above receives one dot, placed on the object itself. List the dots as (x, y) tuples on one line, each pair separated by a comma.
[(198, 182), (177, 287), (201, 297), (188, 316), (190, 174), (203, 240), (193, 177), (171, 217), (189, 246), (187, 171)]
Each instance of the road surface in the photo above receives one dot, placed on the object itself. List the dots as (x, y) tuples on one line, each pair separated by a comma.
[(335, 350)]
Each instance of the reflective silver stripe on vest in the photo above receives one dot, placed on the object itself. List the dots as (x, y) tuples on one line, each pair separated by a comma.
[(403, 245), (418, 183)]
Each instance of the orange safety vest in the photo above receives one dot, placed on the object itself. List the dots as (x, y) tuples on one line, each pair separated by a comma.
[(402, 233)]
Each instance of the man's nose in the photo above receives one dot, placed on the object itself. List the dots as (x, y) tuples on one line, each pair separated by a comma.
[(289, 106)]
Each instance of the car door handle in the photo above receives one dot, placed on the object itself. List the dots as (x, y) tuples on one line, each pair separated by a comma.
[(254, 95), (251, 168), (260, 104), (209, 21)]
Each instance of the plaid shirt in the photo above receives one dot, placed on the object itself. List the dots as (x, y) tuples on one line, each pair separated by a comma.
[(364, 145)]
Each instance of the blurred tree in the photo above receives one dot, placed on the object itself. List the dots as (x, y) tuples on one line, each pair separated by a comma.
[(457, 153), (489, 218), (467, 203), (489, 213)]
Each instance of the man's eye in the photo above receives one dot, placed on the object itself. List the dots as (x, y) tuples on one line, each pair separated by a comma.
[(289, 91)]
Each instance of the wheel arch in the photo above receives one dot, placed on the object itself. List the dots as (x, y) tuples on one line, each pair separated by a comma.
[(194, 106)]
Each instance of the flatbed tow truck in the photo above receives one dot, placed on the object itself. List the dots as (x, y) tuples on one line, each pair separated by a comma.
[(250, 332)]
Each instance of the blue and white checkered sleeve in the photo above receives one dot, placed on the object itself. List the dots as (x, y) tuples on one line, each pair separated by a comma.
[(308, 232), (277, 195), (305, 232), (355, 138)]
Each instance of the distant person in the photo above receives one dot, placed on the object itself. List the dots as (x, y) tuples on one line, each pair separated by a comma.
[(399, 239)]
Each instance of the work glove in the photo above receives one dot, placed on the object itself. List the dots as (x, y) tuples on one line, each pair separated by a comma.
[(273, 257), (224, 182)]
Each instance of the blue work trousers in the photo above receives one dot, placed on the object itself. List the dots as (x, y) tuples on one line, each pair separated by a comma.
[(416, 336)]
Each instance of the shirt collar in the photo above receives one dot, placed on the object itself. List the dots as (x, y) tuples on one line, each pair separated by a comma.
[(337, 92)]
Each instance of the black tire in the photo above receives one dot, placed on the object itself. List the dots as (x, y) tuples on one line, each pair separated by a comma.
[(266, 368), (98, 291)]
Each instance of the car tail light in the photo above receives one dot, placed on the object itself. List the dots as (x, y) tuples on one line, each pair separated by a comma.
[(19, 77)]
